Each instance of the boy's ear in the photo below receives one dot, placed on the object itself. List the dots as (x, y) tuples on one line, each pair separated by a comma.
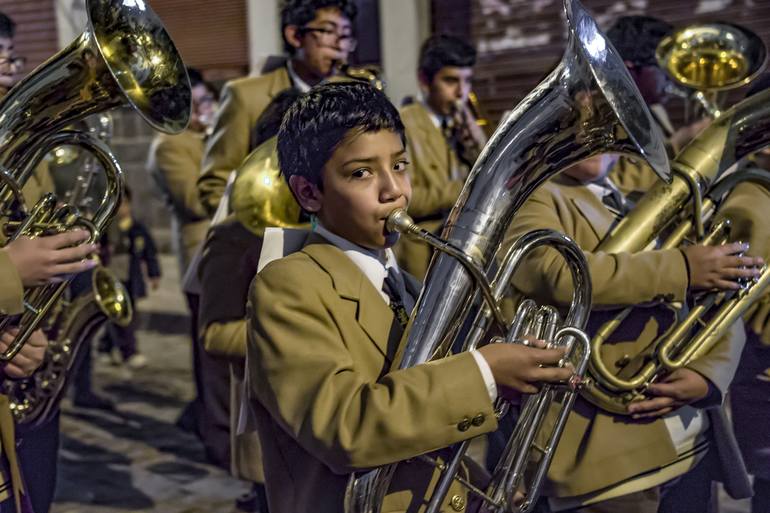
[(422, 80), (291, 34), (308, 194)]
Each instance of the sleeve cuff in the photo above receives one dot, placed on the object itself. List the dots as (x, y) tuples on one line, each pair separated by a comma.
[(486, 374)]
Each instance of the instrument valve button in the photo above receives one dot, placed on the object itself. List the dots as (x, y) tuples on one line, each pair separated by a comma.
[(464, 425), (623, 361), (457, 502), (478, 419)]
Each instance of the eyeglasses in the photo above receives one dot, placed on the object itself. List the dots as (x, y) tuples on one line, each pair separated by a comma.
[(330, 37), (14, 61)]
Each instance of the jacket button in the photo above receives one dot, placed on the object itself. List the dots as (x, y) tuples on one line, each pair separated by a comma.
[(457, 502), (464, 424), (478, 419)]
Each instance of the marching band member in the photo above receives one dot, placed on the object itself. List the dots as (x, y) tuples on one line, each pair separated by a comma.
[(325, 323), (174, 162), (317, 35), (27, 262), (443, 140), (665, 434)]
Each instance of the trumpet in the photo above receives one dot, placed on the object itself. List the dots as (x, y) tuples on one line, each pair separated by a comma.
[(124, 57), (588, 105)]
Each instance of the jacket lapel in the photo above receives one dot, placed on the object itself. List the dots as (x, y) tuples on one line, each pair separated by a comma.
[(280, 82), (435, 144), (591, 210), (373, 314)]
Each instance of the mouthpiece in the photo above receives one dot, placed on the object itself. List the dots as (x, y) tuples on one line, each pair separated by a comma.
[(399, 221)]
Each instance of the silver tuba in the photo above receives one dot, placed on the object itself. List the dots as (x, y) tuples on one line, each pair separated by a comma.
[(588, 105)]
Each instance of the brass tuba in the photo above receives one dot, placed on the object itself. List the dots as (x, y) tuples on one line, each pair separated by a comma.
[(124, 57), (686, 208), (586, 106), (710, 58), (34, 400)]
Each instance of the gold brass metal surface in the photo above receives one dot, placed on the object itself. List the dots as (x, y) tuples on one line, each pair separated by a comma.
[(261, 197), (684, 209)]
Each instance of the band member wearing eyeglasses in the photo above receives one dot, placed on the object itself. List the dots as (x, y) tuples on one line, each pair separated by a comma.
[(317, 35), (608, 463), (443, 140)]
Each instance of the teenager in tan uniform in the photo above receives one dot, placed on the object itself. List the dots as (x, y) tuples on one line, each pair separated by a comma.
[(317, 35), (174, 163), (322, 332), (443, 140), (615, 463)]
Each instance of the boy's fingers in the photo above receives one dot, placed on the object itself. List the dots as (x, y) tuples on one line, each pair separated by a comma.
[(73, 268), (738, 261), (61, 240), (547, 356), (552, 374), (735, 247), (665, 390), (741, 273), (73, 254), (649, 405), (727, 285)]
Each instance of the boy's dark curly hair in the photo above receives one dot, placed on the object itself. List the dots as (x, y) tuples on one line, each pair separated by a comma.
[(444, 50), (302, 12), (637, 37), (319, 120), (7, 26)]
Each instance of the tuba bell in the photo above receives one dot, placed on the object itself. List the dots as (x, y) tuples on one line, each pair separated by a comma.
[(686, 209), (705, 60), (586, 106), (124, 57)]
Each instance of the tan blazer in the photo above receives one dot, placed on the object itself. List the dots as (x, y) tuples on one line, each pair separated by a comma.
[(174, 162), (633, 175), (434, 191), (228, 265), (319, 353), (11, 289), (593, 439), (243, 100)]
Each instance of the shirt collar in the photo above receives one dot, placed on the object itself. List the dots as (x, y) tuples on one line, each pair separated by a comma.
[(300, 84), (374, 264)]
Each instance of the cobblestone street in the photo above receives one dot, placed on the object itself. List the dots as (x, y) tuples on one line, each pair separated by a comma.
[(135, 459)]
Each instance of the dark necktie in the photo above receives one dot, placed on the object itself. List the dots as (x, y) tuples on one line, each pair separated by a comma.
[(613, 199), (391, 288)]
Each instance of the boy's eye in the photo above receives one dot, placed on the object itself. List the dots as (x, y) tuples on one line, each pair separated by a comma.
[(401, 165), (360, 173)]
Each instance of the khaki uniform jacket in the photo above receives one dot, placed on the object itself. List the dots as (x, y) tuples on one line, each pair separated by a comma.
[(174, 162), (434, 192), (593, 439), (243, 100), (229, 263), (11, 289), (319, 353), (11, 303)]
